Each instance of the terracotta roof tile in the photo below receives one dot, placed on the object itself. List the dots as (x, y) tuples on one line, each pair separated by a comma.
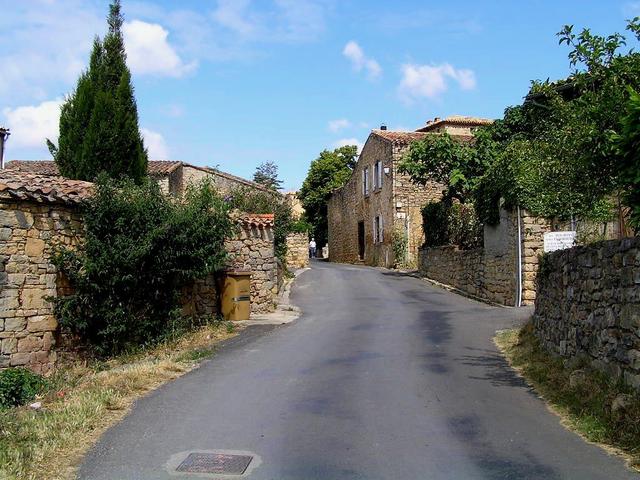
[(18, 185), (455, 120), (259, 220), (156, 168), (49, 167), (405, 138), (162, 167)]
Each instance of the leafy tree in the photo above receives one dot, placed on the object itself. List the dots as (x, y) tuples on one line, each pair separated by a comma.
[(329, 171), (629, 156), (555, 154), (99, 121), (267, 175), (454, 164)]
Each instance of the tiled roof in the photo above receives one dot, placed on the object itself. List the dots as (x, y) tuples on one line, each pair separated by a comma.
[(49, 167), (405, 138), (39, 167), (460, 120), (162, 167), (43, 188), (156, 168), (259, 220)]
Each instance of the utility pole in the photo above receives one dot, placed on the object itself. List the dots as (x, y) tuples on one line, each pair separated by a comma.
[(4, 135)]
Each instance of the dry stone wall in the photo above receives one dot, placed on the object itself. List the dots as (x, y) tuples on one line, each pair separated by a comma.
[(588, 306), (297, 250), (29, 232), (491, 272)]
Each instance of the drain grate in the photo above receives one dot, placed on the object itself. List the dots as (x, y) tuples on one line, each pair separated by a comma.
[(221, 463)]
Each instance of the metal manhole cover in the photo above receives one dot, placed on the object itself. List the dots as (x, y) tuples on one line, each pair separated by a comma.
[(221, 463)]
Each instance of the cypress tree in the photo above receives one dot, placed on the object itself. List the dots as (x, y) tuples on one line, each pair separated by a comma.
[(99, 121)]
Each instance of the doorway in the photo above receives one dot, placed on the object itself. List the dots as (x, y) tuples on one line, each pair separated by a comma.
[(361, 240)]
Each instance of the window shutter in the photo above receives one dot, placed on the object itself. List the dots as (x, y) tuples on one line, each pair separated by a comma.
[(380, 174), (364, 182), (374, 230), (381, 229)]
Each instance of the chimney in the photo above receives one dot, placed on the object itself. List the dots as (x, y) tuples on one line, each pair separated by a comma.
[(383, 127), (4, 135)]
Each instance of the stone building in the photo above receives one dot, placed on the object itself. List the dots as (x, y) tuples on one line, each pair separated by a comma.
[(378, 205), (297, 210), (172, 176)]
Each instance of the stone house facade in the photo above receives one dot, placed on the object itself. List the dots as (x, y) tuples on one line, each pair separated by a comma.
[(378, 205), (172, 176)]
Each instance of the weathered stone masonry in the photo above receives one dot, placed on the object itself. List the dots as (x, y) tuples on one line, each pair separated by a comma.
[(491, 272), (32, 222), (297, 250), (588, 306)]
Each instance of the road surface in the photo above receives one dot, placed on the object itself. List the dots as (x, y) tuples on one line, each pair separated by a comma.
[(383, 377)]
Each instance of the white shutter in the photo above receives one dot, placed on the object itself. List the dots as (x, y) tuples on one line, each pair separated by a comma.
[(380, 174), (381, 229), (365, 181), (374, 231)]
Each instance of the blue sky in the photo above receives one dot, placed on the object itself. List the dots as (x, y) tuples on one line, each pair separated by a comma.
[(235, 83)]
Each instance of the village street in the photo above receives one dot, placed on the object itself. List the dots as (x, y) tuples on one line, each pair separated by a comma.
[(383, 377)]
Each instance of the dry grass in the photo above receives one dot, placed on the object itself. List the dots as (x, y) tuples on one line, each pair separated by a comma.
[(584, 407), (85, 399)]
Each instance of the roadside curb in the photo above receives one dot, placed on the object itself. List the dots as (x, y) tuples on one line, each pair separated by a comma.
[(285, 312)]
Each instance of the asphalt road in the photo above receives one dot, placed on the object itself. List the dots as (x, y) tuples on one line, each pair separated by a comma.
[(383, 377)]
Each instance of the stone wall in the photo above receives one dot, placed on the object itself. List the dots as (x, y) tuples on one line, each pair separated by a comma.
[(28, 234), (491, 272), (251, 250), (297, 250), (588, 306)]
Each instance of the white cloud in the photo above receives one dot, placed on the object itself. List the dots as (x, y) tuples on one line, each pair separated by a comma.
[(349, 141), (31, 125), (149, 52), (233, 15), (155, 144), (339, 124), (430, 81), (283, 21), (360, 61)]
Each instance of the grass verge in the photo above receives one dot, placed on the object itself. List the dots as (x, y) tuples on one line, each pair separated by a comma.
[(601, 410), (83, 400)]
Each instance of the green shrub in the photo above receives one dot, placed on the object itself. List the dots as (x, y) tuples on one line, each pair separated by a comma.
[(301, 226), (435, 223), (628, 144), (19, 386), (141, 249), (451, 223)]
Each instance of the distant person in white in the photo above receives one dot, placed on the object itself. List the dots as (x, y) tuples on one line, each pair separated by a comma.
[(312, 248)]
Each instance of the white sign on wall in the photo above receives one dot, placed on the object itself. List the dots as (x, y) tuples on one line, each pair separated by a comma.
[(559, 240)]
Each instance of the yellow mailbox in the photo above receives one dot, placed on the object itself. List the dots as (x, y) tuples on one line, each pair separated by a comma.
[(236, 295)]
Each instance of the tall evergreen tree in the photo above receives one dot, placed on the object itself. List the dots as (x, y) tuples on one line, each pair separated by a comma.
[(99, 121)]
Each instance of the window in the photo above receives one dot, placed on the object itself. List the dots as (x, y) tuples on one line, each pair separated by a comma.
[(365, 181), (378, 236), (377, 175)]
